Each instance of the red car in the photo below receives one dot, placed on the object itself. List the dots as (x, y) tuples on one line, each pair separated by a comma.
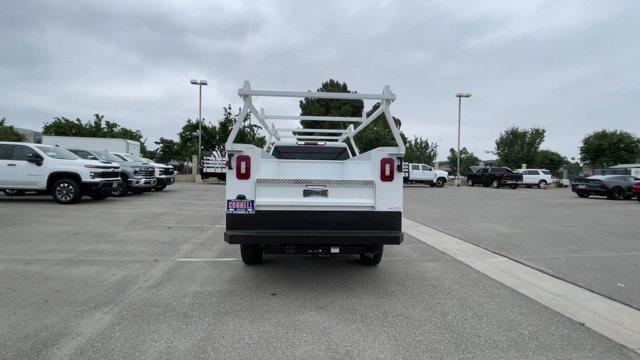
[(635, 190)]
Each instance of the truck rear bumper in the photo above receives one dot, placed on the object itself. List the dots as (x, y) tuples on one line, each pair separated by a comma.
[(347, 228)]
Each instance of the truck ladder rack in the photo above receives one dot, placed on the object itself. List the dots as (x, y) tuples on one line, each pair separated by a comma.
[(276, 134)]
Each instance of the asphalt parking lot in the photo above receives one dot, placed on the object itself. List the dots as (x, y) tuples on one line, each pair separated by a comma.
[(149, 276), (594, 242)]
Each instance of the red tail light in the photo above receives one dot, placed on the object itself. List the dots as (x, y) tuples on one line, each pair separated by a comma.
[(243, 167), (387, 170)]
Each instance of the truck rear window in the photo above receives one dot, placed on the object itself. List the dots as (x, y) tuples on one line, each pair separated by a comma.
[(310, 152)]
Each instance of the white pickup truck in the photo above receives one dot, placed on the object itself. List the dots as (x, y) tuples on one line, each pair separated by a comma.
[(307, 192), (56, 171), (424, 173)]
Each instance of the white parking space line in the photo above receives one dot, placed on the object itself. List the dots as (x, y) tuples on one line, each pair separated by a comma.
[(612, 319)]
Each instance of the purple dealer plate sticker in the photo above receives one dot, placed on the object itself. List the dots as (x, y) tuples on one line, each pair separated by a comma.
[(240, 207)]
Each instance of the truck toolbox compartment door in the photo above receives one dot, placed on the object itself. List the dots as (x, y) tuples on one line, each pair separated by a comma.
[(282, 193)]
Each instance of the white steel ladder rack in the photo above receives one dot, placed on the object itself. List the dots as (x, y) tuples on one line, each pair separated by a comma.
[(277, 134)]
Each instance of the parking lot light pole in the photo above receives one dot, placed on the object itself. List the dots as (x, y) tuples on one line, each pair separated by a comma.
[(200, 83), (459, 95)]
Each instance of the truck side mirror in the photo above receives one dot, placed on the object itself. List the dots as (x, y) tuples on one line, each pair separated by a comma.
[(34, 159)]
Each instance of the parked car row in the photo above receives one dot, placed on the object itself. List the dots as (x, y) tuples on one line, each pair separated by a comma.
[(69, 174), (614, 187)]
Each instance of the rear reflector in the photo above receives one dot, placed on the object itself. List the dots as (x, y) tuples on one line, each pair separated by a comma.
[(243, 167), (387, 170)]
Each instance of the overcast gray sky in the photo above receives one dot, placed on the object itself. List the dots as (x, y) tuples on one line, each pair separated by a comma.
[(570, 67)]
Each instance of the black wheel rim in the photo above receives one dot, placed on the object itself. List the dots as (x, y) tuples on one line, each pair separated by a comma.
[(65, 191)]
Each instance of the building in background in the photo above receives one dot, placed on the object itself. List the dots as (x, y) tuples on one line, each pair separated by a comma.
[(31, 136)]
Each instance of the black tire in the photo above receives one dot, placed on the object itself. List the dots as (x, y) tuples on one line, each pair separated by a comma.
[(98, 196), (432, 185), (542, 184), (160, 187), (617, 193), (66, 191), (251, 254), (470, 182), (120, 191), (513, 186), (440, 182), (137, 191), (583, 195), (372, 255), (13, 192), (495, 184)]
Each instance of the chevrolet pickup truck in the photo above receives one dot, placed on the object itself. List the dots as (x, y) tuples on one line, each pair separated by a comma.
[(56, 171), (307, 192), (135, 177), (423, 173), (495, 177)]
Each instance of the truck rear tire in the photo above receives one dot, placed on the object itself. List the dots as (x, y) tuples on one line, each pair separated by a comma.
[(66, 191), (251, 254), (373, 255)]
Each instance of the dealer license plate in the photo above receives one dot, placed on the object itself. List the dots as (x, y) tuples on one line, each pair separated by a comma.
[(315, 192), (241, 207)]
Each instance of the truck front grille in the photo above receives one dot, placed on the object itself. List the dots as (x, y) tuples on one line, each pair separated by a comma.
[(108, 174), (166, 171), (148, 171)]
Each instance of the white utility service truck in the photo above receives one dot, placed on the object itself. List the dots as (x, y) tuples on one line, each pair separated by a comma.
[(214, 166), (423, 173), (97, 144), (306, 191)]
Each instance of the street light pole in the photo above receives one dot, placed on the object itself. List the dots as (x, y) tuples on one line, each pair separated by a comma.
[(459, 96), (200, 83)]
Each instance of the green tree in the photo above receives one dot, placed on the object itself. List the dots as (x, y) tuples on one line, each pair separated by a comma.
[(377, 133), (517, 146), (248, 134), (549, 160), (61, 126), (213, 136), (8, 133), (606, 148), (374, 135), (467, 159), (330, 107), (419, 150), (189, 135)]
